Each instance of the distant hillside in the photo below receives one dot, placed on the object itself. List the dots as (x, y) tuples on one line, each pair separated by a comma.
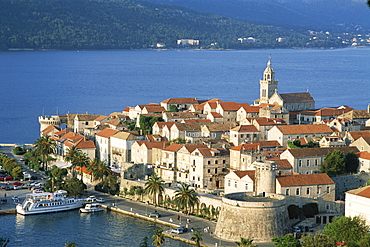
[(125, 24), (324, 14)]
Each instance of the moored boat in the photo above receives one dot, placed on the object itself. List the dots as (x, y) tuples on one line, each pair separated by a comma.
[(92, 207), (48, 202)]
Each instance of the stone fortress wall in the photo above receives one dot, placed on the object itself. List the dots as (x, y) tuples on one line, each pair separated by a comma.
[(260, 218)]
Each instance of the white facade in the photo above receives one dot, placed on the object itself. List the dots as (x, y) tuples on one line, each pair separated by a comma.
[(358, 203)]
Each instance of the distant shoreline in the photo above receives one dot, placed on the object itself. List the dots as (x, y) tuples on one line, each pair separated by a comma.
[(184, 49)]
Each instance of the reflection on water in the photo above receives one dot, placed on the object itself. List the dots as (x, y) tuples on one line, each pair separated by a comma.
[(98, 229)]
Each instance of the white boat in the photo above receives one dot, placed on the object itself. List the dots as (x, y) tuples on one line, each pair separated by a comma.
[(92, 207), (48, 202)]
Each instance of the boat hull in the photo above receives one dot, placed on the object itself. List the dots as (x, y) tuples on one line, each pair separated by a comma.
[(53, 209)]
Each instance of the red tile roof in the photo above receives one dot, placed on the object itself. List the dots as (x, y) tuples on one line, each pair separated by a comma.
[(304, 129), (181, 101), (195, 120), (250, 173), (296, 97), (364, 192), (84, 170), (302, 180), (85, 144), (283, 164), (357, 134), (216, 114), (312, 152), (106, 133), (245, 128), (173, 147), (364, 155)]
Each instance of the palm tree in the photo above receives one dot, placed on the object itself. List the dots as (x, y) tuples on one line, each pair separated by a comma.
[(98, 169), (245, 242), (77, 158), (44, 146), (154, 187), (186, 198), (197, 237), (72, 152), (158, 238)]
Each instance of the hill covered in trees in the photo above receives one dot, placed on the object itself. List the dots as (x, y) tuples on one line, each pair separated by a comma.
[(125, 24)]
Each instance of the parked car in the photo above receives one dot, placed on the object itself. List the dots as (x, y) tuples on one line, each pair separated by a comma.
[(17, 183), (99, 199), (21, 159), (155, 214), (5, 177), (179, 230), (95, 199)]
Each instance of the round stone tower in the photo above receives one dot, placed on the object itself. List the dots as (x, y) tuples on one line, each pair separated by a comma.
[(257, 217), (265, 180)]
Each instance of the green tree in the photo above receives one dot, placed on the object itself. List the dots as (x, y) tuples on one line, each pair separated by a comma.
[(197, 238), (173, 108), (78, 159), (347, 229), (158, 238), (186, 198), (351, 162), (245, 242), (74, 186), (44, 146), (287, 240), (154, 187), (99, 170), (317, 240), (333, 163)]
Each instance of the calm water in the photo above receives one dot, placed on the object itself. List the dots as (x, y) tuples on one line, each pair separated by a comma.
[(98, 229), (101, 82)]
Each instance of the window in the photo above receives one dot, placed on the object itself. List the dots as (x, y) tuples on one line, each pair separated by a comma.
[(224, 161), (287, 192), (216, 162), (193, 169), (307, 191), (209, 162), (308, 162), (316, 162), (246, 186), (236, 184), (198, 178), (179, 174), (299, 162), (327, 189), (209, 170), (228, 183), (210, 179), (216, 171), (193, 178), (297, 192)]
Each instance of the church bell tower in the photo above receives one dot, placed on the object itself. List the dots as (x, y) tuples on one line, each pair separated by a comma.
[(268, 85)]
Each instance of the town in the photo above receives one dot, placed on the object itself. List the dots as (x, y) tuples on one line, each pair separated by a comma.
[(259, 168)]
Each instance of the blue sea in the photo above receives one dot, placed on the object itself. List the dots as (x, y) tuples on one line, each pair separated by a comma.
[(37, 83)]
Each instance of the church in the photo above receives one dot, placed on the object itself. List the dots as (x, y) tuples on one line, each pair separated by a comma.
[(289, 101)]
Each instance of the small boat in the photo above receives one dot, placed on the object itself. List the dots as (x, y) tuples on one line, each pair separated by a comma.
[(48, 202), (91, 208)]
